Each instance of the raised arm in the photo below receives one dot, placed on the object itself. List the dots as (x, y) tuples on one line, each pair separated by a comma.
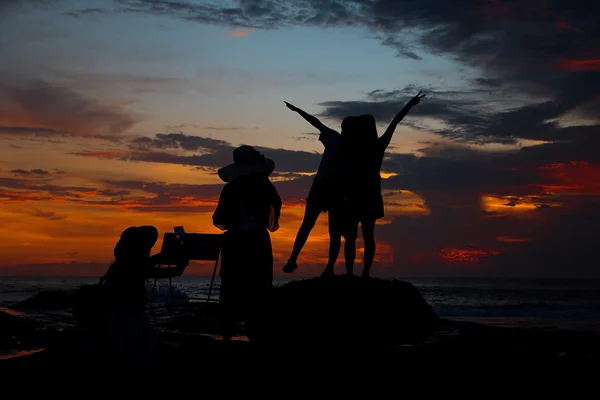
[(276, 204), (385, 139), (221, 215), (311, 119)]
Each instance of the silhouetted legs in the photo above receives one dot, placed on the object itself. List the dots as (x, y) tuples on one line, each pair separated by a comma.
[(311, 214), (350, 235), (335, 242), (368, 232)]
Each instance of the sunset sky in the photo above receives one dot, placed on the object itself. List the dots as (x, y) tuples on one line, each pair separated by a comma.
[(119, 112)]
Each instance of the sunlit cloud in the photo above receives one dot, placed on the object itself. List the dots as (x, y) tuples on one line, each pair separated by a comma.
[(507, 239), (580, 65), (240, 32), (466, 255)]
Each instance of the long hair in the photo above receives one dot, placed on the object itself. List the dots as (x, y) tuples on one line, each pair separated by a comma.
[(358, 161)]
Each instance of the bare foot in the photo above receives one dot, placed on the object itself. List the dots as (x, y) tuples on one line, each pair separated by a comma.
[(327, 273), (290, 267)]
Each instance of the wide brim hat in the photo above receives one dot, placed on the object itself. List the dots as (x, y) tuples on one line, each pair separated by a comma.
[(246, 161), (136, 240)]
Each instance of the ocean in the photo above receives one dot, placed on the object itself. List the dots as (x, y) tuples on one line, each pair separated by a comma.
[(526, 303)]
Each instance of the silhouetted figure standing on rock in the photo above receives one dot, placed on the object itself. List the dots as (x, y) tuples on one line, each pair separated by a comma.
[(361, 158), (324, 195), (249, 207)]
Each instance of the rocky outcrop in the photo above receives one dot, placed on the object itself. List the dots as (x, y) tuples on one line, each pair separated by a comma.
[(49, 300), (343, 310)]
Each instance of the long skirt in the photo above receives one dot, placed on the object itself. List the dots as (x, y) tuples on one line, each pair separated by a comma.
[(246, 275)]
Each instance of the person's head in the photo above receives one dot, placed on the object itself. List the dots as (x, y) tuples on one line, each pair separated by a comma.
[(349, 131), (368, 128), (136, 242), (348, 124), (246, 160)]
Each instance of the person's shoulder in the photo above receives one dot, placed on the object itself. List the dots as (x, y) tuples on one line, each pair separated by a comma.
[(329, 131), (229, 187), (329, 135)]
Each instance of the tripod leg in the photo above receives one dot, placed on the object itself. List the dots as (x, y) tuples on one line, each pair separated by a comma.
[(170, 288), (212, 281), (153, 289)]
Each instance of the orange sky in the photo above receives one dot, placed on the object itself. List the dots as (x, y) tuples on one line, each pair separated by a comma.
[(119, 116)]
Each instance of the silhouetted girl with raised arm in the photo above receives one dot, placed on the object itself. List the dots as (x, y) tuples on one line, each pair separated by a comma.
[(361, 158), (324, 195)]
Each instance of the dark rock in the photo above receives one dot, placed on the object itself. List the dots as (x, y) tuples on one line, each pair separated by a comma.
[(13, 324), (49, 300), (343, 310)]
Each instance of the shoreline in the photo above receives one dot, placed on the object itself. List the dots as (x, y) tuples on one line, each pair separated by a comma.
[(469, 345), (325, 321)]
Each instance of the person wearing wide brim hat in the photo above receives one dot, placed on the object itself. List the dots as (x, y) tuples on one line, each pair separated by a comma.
[(248, 209), (126, 334), (246, 161)]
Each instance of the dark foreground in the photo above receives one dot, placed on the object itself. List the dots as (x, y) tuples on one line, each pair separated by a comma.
[(393, 331)]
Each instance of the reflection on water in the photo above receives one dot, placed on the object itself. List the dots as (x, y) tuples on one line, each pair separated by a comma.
[(10, 311), (236, 338), (5, 355)]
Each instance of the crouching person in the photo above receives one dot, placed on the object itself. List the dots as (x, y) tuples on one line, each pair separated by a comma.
[(128, 338)]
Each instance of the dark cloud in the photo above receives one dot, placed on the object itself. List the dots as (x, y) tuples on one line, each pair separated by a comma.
[(534, 63), (178, 140), (213, 153), (20, 172), (51, 215), (312, 136), (224, 128), (24, 130), (52, 109), (39, 172), (40, 189), (547, 51), (461, 110), (86, 12), (467, 120)]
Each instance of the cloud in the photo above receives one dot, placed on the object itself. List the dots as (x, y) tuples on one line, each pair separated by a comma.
[(215, 128), (240, 32), (20, 172), (38, 172), (24, 130), (86, 12), (213, 153), (544, 51), (51, 215), (178, 141), (36, 107), (528, 65)]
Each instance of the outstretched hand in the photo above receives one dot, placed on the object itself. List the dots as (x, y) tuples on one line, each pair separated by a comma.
[(415, 100), (290, 106)]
